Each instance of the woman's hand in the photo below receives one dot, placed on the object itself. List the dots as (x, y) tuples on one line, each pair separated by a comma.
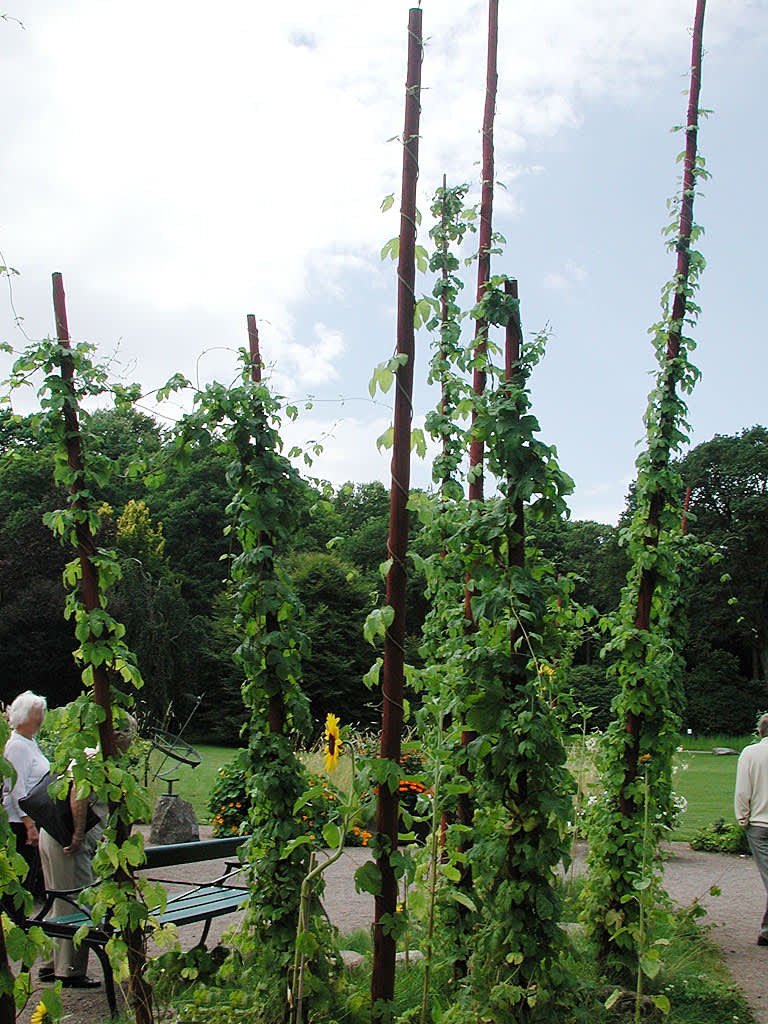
[(33, 836), (75, 844)]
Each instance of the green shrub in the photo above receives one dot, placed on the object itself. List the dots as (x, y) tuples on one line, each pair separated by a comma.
[(229, 804), (590, 687), (720, 837)]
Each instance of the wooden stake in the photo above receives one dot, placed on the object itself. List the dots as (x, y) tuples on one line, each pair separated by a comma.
[(383, 977)]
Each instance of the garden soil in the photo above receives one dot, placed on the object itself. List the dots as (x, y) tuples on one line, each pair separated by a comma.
[(734, 917)]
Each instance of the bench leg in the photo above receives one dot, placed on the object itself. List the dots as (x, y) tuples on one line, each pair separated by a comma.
[(109, 978), (204, 936)]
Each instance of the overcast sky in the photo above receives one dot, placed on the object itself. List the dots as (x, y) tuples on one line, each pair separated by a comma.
[(184, 164)]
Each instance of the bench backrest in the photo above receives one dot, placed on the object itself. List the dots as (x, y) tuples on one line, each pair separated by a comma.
[(191, 853)]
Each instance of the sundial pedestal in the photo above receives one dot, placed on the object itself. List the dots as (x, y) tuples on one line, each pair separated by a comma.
[(173, 821)]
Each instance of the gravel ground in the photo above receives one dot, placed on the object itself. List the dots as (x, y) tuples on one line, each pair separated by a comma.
[(734, 916)]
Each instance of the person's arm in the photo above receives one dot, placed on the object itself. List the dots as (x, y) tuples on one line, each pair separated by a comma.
[(33, 836), (743, 792), (79, 813), (20, 764)]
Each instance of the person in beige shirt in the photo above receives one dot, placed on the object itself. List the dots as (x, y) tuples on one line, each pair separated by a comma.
[(751, 806)]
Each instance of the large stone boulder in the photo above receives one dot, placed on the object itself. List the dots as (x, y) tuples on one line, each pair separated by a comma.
[(173, 821)]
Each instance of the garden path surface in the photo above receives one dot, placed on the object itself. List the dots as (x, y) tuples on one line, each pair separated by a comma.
[(734, 917)]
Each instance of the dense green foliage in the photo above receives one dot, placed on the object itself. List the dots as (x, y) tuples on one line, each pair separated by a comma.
[(727, 606), (647, 632), (172, 596), (86, 749), (177, 608), (720, 837)]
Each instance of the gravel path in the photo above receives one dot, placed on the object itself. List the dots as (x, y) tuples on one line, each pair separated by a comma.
[(734, 916)]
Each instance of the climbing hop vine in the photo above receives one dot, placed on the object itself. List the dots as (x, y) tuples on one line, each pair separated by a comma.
[(521, 613), (646, 634), (497, 681), (244, 422), (108, 668)]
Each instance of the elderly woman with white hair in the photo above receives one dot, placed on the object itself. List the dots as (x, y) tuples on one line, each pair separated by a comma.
[(25, 715)]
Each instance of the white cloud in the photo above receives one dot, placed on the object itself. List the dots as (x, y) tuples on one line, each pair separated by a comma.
[(602, 501), (203, 156), (570, 276), (349, 447), (184, 164)]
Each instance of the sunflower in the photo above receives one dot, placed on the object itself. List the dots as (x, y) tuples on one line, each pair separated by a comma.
[(332, 742), (40, 1015)]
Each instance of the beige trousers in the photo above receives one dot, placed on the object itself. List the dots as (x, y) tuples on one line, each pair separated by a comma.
[(68, 871)]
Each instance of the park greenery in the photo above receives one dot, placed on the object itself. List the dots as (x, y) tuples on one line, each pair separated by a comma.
[(206, 564), (178, 610)]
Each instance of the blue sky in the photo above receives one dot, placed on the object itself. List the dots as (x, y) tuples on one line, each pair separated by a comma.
[(183, 166)]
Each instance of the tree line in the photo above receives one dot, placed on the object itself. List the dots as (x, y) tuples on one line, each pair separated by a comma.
[(166, 521)]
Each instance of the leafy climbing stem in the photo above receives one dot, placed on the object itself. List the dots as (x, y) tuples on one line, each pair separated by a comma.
[(433, 859), (295, 995), (641, 922)]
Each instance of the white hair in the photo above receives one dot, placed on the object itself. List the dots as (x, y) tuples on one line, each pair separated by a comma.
[(127, 728), (22, 707)]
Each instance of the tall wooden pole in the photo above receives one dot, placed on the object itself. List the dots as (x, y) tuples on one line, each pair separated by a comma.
[(140, 991), (485, 241), (253, 347), (86, 548), (516, 538), (512, 349), (383, 977), (648, 576), (466, 806), (276, 709)]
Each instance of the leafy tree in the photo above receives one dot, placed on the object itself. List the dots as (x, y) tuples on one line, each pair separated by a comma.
[(320, 521), (336, 601), (358, 504), (590, 552), (123, 436), (728, 477), (718, 698), (219, 677), (366, 546), (191, 505), (18, 431), (36, 642), (158, 625)]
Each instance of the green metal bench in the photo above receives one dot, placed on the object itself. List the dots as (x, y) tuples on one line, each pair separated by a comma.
[(196, 903)]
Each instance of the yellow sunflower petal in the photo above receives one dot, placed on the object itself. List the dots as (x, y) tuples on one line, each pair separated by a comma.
[(332, 742)]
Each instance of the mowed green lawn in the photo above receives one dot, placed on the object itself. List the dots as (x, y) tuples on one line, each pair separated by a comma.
[(194, 784), (705, 780)]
